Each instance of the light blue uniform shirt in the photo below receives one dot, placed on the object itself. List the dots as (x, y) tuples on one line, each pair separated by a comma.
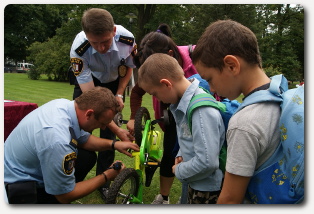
[(103, 66), (199, 150), (41, 148)]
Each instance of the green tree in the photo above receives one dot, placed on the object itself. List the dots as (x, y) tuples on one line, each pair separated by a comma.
[(202, 15), (282, 41), (26, 23), (279, 29), (52, 56)]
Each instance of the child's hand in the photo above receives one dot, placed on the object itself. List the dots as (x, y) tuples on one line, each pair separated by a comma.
[(174, 168), (130, 126), (178, 159)]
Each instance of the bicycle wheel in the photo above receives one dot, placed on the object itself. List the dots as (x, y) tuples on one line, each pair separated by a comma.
[(125, 184), (141, 116)]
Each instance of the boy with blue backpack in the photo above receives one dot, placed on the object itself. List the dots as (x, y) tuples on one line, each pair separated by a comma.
[(197, 161), (265, 161)]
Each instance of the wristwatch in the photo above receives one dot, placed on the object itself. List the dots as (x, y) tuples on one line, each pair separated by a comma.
[(119, 95)]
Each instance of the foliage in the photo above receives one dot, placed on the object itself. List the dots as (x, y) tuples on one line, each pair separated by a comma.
[(52, 56), (33, 73), (270, 71), (45, 33), (27, 23), (282, 41)]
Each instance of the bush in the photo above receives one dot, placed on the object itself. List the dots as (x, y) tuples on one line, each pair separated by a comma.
[(33, 73), (271, 71)]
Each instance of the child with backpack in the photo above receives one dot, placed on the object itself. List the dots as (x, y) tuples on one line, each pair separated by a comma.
[(197, 161), (227, 56)]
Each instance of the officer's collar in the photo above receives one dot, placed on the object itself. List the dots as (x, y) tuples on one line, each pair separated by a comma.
[(113, 47)]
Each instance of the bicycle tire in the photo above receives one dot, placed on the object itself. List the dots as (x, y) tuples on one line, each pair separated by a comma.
[(125, 184), (141, 116)]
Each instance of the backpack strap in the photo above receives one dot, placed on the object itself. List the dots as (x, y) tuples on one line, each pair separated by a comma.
[(203, 99), (278, 85)]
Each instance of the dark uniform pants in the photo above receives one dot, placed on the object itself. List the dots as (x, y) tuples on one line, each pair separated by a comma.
[(86, 159), (170, 139), (28, 193)]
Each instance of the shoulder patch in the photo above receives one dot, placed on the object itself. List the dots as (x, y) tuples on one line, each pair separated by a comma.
[(69, 163), (82, 48), (77, 66), (126, 40)]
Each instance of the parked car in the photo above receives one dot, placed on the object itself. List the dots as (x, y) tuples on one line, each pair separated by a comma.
[(7, 70), (23, 67)]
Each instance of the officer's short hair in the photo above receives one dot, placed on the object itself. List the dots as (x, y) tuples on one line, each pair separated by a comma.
[(97, 21), (99, 99)]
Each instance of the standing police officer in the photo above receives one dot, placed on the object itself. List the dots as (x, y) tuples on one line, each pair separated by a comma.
[(101, 56), (40, 153)]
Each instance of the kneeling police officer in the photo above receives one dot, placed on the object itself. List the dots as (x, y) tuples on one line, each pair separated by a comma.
[(40, 153)]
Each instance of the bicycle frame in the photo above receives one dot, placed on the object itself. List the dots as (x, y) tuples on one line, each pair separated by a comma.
[(149, 155), (127, 188)]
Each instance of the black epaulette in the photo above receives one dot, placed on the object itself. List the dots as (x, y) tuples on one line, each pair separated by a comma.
[(73, 141), (126, 40), (82, 48)]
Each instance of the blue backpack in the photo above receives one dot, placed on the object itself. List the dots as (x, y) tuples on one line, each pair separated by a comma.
[(226, 107), (280, 180)]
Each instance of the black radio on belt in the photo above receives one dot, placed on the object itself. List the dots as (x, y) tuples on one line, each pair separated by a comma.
[(122, 68)]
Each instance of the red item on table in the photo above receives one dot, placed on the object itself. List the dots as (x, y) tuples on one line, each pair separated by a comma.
[(14, 112)]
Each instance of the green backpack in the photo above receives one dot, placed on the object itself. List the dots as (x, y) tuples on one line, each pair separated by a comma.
[(226, 107)]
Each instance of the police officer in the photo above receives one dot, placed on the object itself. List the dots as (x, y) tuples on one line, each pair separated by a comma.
[(101, 56), (40, 153)]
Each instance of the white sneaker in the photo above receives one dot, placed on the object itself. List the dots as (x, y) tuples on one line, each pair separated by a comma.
[(160, 200), (179, 201)]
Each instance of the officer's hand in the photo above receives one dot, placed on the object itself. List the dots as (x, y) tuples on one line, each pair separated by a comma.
[(120, 101), (124, 135), (130, 126), (125, 146), (114, 170)]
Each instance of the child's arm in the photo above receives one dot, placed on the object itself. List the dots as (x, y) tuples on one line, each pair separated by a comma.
[(207, 137), (233, 190)]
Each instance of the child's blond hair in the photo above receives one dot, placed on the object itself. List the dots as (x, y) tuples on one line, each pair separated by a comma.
[(159, 66)]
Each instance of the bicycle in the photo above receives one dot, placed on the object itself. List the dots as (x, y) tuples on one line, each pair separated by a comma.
[(127, 187)]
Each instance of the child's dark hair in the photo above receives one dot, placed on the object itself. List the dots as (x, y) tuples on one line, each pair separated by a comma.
[(226, 37), (155, 42), (165, 29)]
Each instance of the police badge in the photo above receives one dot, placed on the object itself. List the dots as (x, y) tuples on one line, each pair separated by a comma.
[(122, 68), (69, 163), (77, 65)]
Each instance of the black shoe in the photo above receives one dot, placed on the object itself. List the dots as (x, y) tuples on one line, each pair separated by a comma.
[(103, 193)]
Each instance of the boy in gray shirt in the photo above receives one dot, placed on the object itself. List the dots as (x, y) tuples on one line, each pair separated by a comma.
[(227, 56)]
